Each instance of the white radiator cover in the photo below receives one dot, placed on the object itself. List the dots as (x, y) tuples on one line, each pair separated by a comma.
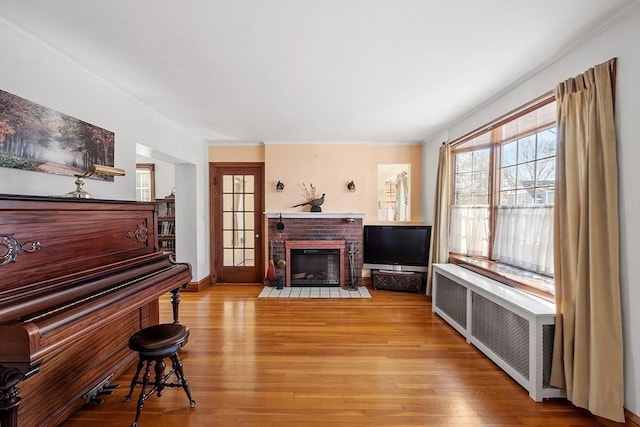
[(511, 327)]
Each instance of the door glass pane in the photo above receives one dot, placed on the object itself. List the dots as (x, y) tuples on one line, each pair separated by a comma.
[(248, 202), (227, 256), (248, 239), (227, 220), (249, 258), (227, 202), (227, 184), (227, 239), (249, 220), (238, 257), (249, 184)]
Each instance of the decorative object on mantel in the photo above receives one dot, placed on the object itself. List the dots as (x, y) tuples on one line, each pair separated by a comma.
[(79, 192), (279, 186), (312, 200), (351, 186)]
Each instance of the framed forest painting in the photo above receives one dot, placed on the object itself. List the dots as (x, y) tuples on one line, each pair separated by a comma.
[(36, 138)]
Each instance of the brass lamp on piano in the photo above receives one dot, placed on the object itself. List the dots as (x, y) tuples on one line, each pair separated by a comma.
[(79, 192)]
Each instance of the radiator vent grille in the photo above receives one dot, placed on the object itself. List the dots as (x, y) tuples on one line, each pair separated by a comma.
[(502, 331), (452, 300), (548, 332)]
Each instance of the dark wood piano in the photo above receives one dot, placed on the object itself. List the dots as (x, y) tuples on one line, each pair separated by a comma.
[(77, 278)]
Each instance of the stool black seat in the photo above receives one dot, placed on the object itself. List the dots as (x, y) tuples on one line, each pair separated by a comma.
[(154, 344)]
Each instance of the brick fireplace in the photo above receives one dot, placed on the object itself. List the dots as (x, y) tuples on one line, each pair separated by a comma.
[(317, 231)]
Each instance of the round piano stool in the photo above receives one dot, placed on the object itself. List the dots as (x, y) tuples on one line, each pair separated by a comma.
[(154, 344)]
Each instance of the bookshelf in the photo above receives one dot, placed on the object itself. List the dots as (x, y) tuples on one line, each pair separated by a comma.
[(167, 224)]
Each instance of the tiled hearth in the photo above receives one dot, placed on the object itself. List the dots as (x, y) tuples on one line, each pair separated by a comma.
[(317, 230)]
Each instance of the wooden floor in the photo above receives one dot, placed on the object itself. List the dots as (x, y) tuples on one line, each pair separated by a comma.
[(384, 361)]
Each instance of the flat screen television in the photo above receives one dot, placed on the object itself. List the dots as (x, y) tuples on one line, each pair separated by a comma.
[(396, 247)]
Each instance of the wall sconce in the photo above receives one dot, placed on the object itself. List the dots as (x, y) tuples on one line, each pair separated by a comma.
[(79, 193), (351, 186), (279, 186)]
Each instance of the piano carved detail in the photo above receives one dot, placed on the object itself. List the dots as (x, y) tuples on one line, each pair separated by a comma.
[(13, 248), (141, 233)]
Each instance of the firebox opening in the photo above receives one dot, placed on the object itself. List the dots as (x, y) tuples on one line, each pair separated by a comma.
[(315, 267)]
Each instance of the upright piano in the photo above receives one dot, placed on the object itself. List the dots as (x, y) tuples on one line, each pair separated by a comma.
[(77, 278)]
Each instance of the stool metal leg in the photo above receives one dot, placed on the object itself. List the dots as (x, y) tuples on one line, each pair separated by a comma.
[(142, 397), (177, 367), (160, 380), (134, 381)]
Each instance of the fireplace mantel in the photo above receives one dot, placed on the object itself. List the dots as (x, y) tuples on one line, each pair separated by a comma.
[(314, 215), (296, 227)]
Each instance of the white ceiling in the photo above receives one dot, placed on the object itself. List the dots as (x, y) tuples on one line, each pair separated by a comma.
[(248, 71)]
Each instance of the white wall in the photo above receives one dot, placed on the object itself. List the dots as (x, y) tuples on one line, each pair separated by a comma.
[(32, 70), (621, 39)]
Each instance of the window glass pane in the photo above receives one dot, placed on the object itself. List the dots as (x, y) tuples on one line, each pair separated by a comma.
[(545, 195), (143, 185), (527, 149), (472, 177), (546, 172), (507, 198), (463, 182), (526, 173), (480, 199), (463, 199), (547, 143), (464, 162), (508, 178), (509, 154), (481, 160), (524, 197), (480, 182)]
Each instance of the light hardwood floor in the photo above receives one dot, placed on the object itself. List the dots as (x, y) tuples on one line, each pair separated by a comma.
[(384, 361)]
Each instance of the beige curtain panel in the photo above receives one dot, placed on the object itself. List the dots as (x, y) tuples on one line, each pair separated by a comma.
[(588, 354), (439, 248)]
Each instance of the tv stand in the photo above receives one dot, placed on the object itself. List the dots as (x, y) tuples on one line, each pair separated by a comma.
[(397, 281)]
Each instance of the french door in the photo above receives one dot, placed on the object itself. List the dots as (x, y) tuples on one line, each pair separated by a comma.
[(236, 218)]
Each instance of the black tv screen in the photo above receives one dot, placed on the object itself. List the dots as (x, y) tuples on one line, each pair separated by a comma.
[(396, 245)]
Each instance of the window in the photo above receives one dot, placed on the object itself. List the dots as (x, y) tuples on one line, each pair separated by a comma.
[(145, 182), (503, 192)]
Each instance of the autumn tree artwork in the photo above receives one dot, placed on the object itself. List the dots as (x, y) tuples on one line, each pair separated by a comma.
[(36, 138)]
